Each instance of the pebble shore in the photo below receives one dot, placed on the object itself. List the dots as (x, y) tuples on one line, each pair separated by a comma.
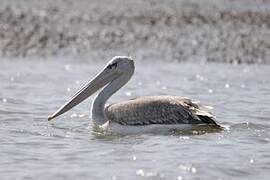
[(231, 31)]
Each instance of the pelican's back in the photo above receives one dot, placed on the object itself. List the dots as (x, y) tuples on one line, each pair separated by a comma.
[(159, 110)]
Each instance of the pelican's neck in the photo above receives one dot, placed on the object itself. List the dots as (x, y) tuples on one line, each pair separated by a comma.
[(97, 112)]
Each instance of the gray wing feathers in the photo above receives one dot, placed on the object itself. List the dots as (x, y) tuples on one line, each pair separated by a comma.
[(158, 110)]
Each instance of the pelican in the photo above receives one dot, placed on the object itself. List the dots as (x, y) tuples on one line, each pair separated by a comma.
[(143, 114)]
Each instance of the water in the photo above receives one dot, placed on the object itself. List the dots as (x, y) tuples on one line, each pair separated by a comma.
[(67, 148)]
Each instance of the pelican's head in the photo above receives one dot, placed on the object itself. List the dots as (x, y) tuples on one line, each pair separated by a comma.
[(118, 66)]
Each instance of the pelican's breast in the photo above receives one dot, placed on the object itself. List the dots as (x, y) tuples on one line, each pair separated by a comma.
[(158, 110)]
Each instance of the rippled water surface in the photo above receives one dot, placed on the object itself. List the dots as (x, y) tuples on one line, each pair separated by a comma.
[(67, 148)]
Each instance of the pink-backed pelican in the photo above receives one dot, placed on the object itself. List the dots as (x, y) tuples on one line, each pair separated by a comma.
[(143, 114)]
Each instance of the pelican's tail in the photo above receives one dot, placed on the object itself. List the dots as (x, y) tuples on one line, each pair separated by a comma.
[(208, 120)]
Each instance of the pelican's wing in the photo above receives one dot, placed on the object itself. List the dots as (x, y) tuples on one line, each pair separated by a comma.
[(159, 110)]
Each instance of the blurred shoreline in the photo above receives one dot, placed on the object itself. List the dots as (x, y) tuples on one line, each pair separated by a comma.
[(231, 31)]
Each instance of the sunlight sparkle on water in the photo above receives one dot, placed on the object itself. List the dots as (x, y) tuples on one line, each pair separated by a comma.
[(141, 172), (67, 67), (179, 178), (164, 87), (188, 167), (184, 137), (82, 115), (73, 115), (128, 93), (201, 78)]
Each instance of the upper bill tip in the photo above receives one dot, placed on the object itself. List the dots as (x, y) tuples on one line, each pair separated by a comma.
[(50, 118)]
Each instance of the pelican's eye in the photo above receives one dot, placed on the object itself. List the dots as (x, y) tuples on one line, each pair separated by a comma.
[(113, 65)]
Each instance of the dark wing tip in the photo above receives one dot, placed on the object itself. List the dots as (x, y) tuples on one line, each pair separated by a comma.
[(207, 120)]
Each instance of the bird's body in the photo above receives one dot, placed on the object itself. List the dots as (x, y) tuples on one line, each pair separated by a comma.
[(150, 114), (158, 110), (143, 114)]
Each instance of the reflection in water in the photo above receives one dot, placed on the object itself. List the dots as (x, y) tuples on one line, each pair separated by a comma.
[(70, 148), (198, 130)]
